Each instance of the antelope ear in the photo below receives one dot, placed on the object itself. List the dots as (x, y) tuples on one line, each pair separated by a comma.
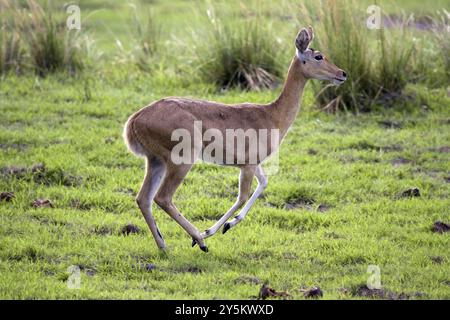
[(303, 39), (311, 33)]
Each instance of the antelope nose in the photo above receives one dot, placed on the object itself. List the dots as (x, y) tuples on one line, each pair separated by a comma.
[(344, 75)]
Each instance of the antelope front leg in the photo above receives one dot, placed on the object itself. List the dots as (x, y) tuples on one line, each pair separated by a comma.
[(262, 183), (245, 183)]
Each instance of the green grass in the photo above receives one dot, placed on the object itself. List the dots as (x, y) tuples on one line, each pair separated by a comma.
[(342, 161), (353, 164)]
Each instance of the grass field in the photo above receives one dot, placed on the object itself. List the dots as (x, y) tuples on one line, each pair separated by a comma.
[(336, 206)]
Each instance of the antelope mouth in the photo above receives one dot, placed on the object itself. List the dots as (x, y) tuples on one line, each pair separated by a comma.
[(339, 81)]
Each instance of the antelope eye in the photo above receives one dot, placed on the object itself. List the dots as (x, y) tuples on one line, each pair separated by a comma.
[(318, 57)]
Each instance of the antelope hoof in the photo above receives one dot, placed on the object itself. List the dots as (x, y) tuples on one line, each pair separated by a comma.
[(202, 247), (226, 227)]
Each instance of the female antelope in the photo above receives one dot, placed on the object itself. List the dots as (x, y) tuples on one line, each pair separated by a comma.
[(149, 131)]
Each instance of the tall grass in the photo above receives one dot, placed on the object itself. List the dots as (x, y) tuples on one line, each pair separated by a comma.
[(238, 53), (148, 32), (12, 51), (148, 37), (432, 66), (395, 68), (442, 31), (377, 61), (52, 46), (340, 37), (32, 37), (12, 46), (242, 49), (145, 41)]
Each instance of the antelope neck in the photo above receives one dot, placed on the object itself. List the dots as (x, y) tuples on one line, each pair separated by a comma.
[(285, 108)]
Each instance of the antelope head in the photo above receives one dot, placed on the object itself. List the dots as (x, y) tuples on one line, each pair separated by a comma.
[(314, 64)]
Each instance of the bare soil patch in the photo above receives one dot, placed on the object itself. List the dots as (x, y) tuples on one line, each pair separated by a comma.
[(410, 193), (14, 146), (323, 207), (40, 174), (129, 229), (444, 149), (400, 161), (268, 292), (42, 203), (437, 259), (300, 202), (364, 291), (314, 292), (6, 196), (441, 227), (391, 124)]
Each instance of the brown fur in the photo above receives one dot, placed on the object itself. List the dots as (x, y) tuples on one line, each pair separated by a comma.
[(148, 133)]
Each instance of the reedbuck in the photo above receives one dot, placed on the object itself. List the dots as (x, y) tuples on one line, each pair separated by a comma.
[(150, 133)]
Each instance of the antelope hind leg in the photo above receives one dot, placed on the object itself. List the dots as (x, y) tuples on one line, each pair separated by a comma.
[(154, 173), (174, 176)]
